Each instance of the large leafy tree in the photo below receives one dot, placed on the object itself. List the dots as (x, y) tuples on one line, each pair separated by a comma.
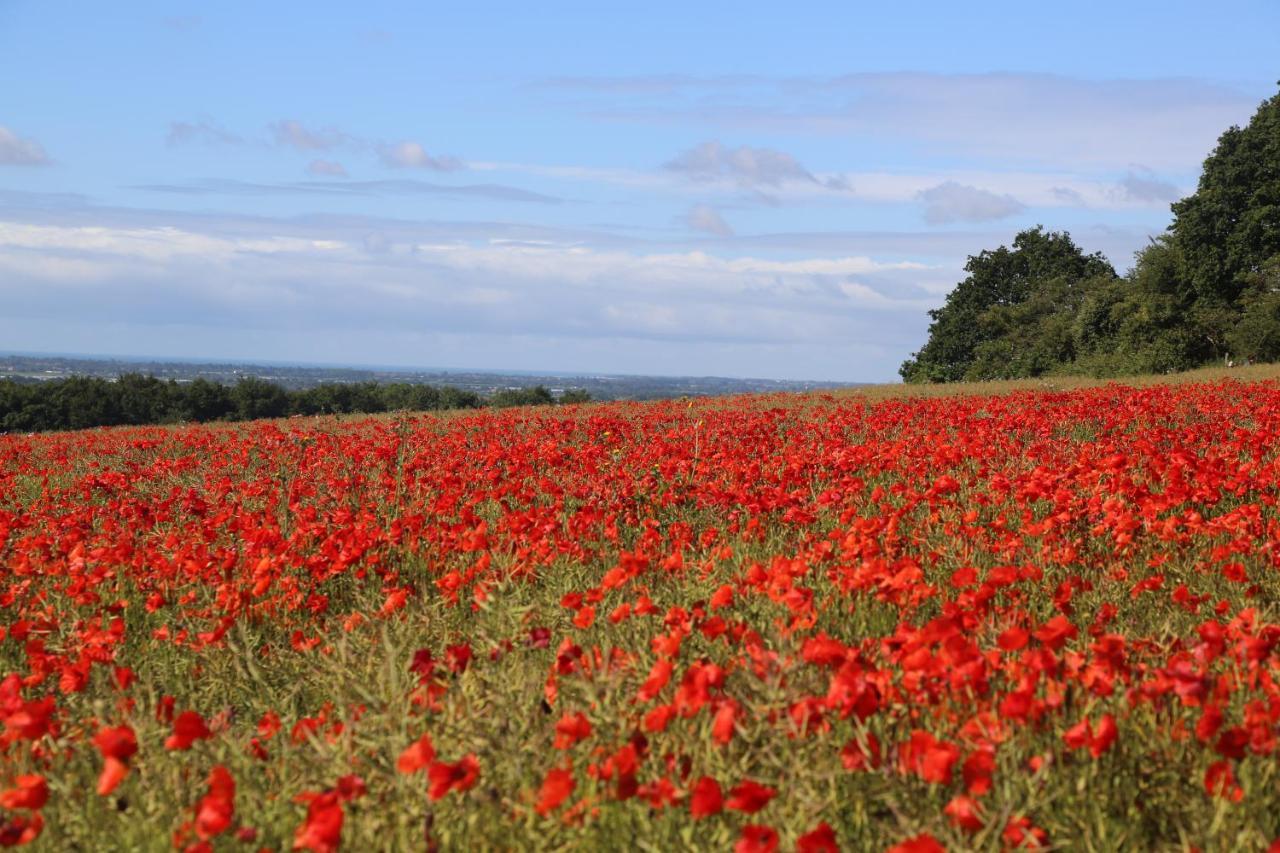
[(983, 308), (1230, 227), (1209, 288)]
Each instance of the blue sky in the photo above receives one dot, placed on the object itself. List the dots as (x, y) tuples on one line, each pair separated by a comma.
[(744, 189)]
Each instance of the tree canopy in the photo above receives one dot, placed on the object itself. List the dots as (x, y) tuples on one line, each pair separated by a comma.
[(80, 402), (1206, 289)]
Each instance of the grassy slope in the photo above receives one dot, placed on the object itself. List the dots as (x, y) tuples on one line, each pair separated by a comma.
[(1131, 797)]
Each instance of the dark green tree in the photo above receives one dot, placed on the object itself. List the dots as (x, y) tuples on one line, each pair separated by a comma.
[(257, 398), (1230, 226), (538, 395), (983, 306)]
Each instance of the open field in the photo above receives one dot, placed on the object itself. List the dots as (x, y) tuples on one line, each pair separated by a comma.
[(1030, 615)]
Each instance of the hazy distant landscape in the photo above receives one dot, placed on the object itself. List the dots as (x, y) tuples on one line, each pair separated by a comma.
[(40, 368)]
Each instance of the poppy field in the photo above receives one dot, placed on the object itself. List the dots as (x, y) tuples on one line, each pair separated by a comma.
[(1035, 620)]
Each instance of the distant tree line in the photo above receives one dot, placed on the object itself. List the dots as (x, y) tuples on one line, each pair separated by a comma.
[(1206, 291), (134, 399)]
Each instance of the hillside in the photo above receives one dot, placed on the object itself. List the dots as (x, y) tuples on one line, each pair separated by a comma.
[(872, 620)]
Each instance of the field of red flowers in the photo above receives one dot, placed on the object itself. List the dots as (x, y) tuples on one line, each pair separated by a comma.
[(1037, 620)]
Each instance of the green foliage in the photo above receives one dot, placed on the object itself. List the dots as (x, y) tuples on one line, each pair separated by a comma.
[(535, 396), (1206, 291), (256, 398), (985, 319), (1231, 225), (133, 399), (1256, 337)]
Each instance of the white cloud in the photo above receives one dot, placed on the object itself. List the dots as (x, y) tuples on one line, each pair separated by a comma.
[(704, 217), (164, 275), (18, 151), (411, 155), (953, 202)]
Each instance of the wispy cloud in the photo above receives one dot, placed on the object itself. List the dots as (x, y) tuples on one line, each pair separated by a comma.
[(20, 151), (953, 202), (1142, 185), (352, 188), (204, 132), (704, 217), (327, 168), (182, 23), (293, 134), (1169, 123), (747, 166), (411, 155)]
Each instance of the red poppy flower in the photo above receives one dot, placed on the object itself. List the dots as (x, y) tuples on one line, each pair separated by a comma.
[(1220, 781), (30, 792), (923, 843), (705, 799), (821, 839), (17, 830), (117, 746), (459, 776), (556, 788), (756, 839), (417, 755), (965, 813), (188, 727), (321, 832), (749, 796), (570, 729), (216, 808)]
